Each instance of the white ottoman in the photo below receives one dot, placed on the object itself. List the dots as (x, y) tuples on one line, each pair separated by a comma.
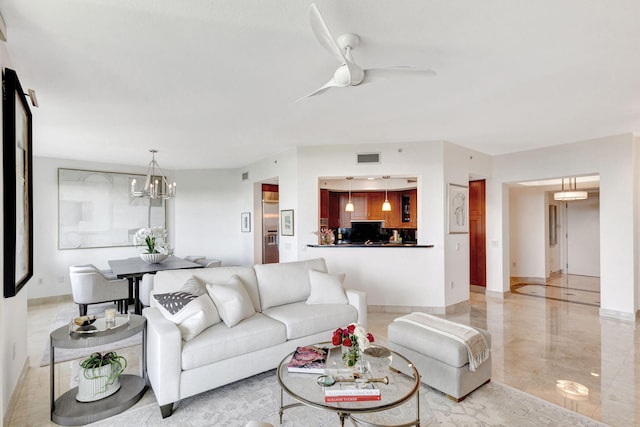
[(443, 362)]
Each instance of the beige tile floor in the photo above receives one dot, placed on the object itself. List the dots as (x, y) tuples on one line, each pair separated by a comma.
[(536, 342)]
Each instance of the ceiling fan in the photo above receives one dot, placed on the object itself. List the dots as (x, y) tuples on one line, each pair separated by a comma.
[(349, 73)]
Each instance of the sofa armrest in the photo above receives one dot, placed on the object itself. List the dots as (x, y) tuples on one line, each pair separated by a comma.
[(164, 361), (358, 299)]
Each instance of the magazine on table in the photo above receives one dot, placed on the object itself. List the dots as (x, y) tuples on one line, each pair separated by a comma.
[(308, 359)]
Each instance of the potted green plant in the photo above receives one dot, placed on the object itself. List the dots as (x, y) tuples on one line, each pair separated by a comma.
[(99, 376)]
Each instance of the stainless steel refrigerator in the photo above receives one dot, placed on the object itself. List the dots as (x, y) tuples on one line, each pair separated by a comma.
[(270, 219)]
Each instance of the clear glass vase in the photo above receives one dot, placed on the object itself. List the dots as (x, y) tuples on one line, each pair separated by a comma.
[(350, 355)]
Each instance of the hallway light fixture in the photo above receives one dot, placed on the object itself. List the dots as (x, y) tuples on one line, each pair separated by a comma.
[(349, 206), (155, 185), (571, 193), (386, 206)]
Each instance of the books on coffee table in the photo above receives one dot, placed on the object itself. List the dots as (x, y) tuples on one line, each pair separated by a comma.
[(349, 387), (308, 359), (351, 392)]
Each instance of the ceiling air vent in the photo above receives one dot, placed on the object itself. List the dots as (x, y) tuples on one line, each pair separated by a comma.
[(245, 176), (366, 158)]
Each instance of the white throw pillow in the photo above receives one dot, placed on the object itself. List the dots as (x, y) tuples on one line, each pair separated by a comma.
[(326, 288), (190, 309), (232, 301)]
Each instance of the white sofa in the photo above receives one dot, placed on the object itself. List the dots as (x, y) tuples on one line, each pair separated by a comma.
[(220, 355)]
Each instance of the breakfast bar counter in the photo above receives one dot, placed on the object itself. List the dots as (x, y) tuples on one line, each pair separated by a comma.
[(372, 245)]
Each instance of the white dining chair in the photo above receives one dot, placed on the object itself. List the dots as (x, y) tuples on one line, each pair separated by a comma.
[(108, 274), (210, 262), (92, 287), (146, 287)]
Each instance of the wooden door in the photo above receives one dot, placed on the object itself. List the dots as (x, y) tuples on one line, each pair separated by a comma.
[(477, 234)]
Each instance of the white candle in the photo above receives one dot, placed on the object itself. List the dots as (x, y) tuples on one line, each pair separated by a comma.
[(110, 314)]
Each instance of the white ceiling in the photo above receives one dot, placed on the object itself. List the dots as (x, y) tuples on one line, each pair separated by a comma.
[(212, 84)]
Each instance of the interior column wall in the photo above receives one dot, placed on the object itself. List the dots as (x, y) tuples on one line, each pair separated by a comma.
[(528, 233)]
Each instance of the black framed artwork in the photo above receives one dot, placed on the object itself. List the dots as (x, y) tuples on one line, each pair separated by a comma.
[(17, 185)]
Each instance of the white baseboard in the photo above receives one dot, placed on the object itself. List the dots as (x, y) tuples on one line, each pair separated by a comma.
[(13, 400), (619, 315), (461, 307)]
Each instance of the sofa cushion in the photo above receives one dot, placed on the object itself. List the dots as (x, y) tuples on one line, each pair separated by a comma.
[(286, 282), (219, 342), (302, 319), (231, 300), (190, 308), (171, 280), (326, 288)]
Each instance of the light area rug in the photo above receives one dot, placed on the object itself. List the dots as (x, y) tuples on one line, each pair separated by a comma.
[(68, 312), (258, 398)]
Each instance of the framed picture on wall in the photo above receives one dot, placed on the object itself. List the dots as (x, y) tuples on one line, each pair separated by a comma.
[(286, 222), (245, 222), (18, 188), (95, 209), (458, 208)]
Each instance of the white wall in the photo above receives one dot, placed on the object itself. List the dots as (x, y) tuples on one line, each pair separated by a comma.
[(458, 164), (51, 265), (421, 273), (207, 222), (614, 159), (583, 243), (528, 235)]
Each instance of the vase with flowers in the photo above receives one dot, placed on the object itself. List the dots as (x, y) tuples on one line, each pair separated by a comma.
[(354, 339), (326, 236), (154, 241)]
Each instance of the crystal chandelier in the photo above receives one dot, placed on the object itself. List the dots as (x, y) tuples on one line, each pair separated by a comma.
[(155, 185)]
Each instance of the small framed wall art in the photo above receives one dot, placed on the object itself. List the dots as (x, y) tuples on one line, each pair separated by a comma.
[(458, 209), (286, 222), (245, 222)]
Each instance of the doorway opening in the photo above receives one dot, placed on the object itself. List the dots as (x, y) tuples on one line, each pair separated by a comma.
[(555, 244), (270, 220)]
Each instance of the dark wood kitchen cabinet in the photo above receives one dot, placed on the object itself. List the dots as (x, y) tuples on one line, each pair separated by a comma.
[(393, 218), (367, 206), (410, 209), (334, 210)]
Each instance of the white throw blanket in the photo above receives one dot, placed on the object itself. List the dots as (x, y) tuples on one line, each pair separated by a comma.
[(477, 347)]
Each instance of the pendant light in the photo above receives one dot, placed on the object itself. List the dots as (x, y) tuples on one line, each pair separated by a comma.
[(349, 206), (386, 206), (572, 193)]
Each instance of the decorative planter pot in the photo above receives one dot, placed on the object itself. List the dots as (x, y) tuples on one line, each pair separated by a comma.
[(97, 386), (153, 258)]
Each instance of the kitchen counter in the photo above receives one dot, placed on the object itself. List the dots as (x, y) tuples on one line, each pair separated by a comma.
[(372, 245)]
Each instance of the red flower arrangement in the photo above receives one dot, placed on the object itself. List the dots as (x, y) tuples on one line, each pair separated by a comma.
[(352, 335)]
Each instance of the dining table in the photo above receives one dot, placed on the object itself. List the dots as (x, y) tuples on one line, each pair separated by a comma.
[(134, 268)]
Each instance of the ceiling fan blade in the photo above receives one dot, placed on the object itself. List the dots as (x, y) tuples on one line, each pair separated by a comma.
[(331, 83), (322, 33), (384, 73)]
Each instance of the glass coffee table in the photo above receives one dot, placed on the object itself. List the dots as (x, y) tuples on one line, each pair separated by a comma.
[(306, 389)]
